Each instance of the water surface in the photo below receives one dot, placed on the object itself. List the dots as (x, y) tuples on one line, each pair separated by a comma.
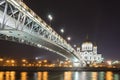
[(68, 75)]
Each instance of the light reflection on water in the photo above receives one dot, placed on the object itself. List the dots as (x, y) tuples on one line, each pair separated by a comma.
[(23, 75), (94, 75), (9, 75), (12, 75), (101, 75), (68, 75), (79, 75), (39, 77), (1, 75), (109, 75)]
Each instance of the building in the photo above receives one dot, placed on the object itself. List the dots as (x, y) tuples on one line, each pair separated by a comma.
[(88, 53)]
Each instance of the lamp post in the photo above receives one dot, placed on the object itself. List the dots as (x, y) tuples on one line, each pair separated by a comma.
[(62, 30), (50, 18), (68, 38), (74, 45)]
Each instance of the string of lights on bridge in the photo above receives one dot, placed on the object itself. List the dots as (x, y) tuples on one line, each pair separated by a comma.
[(62, 31)]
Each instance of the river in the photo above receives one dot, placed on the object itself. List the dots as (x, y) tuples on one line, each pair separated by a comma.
[(68, 75)]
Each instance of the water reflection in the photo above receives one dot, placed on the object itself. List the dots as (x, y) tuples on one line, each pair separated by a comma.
[(39, 76), (9, 75), (1, 75), (12, 75), (45, 75), (68, 75), (23, 75), (101, 75), (109, 75), (85, 76), (94, 75), (76, 76), (116, 76)]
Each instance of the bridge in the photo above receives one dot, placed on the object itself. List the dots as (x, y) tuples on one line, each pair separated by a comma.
[(20, 24)]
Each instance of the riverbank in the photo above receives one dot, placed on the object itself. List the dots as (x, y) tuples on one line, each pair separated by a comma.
[(6, 68)]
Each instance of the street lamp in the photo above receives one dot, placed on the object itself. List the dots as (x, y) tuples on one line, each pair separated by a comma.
[(74, 45), (62, 30), (68, 38), (23, 60), (1, 59), (50, 18)]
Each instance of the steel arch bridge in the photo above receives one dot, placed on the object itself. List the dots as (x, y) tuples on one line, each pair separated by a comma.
[(19, 23)]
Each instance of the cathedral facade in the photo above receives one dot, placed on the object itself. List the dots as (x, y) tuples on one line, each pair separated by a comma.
[(88, 53)]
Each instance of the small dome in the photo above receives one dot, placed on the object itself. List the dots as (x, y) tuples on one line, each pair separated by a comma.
[(87, 42), (87, 45)]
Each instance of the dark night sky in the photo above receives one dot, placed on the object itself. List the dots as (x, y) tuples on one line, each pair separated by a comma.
[(99, 19)]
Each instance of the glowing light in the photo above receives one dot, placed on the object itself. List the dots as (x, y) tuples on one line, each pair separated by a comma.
[(8, 61), (45, 75), (109, 62), (109, 75), (68, 75), (1, 59), (39, 62), (94, 75), (62, 30), (23, 75), (39, 75), (23, 60), (74, 45), (39, 45), (45, 61), (50, 17), (68, 38), (1, 75), (12, 61)]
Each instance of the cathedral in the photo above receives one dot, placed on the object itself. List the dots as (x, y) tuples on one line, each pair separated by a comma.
[(88, 53)]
